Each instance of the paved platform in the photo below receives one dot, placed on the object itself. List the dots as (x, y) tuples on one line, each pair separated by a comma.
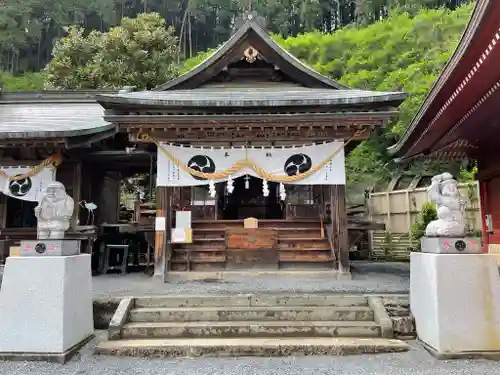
[(377, 278)]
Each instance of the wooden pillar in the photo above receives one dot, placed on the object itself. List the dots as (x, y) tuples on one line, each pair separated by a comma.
[(163, 226), (77, 193), (338, 214)]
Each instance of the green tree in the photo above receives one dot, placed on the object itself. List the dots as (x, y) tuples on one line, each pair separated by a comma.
[(140, 52), (29, 28), (427, 214)]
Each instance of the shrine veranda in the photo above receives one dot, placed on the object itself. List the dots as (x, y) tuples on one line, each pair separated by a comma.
[(251, 132)]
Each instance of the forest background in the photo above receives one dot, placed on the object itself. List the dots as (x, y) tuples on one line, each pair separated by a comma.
[(388, 45)]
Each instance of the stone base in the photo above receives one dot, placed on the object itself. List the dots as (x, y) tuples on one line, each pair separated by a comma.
[(455, 300), (492, 355), (451, 245), (45, 305), (61, 358), (49, 247)]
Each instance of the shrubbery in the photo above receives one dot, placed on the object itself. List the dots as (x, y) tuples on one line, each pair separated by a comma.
[(427, 214)]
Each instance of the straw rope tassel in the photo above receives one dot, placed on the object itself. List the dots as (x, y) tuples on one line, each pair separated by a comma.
[(54, 160)]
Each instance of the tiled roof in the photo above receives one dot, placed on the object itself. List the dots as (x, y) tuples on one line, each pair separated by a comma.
[(252, 97), (51, 119)]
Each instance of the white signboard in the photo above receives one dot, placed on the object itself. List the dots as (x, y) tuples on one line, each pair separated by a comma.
[(278, 161), (29, 188)]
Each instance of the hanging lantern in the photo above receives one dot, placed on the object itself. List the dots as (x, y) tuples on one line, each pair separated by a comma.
[(282, 191), (265, 188), (247, 182), (230, 185), (211, 189)]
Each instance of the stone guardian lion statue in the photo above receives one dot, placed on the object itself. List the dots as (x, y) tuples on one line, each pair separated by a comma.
[(444, 192), (54, 212)]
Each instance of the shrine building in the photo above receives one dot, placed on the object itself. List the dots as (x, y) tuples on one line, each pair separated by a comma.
[(245, 156), (458, 119)]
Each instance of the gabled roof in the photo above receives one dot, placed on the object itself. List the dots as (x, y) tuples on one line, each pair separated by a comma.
[(268, 47), (260, 74)]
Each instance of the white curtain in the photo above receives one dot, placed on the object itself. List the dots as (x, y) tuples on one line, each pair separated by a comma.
[(278, 161), (29, 188)]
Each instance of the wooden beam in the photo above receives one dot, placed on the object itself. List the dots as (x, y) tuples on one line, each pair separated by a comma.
[(256, 134), (342, 225), (163, 228), (215, 124), (339, 223), (228, 118), (333, 223), (77, 192)]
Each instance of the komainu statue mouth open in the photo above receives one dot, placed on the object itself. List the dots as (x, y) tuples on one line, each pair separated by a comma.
[(444, 192)]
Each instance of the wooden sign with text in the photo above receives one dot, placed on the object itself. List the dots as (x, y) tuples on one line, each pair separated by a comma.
[(250, 248), (241, 238)]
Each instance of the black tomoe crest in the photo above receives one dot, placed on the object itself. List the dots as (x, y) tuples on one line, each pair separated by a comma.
[(296, 164), (201, 163), (21, 187)]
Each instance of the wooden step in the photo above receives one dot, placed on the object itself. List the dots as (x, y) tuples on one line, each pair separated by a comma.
[(303, 223), (301, 239), (208, 240), (301, 246), (199, 249), (198, 258), (207, 246), (316, 258), (198, 267)]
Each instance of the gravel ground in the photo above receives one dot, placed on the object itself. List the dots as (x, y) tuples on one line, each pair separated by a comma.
[(366, 278), (415, 362)]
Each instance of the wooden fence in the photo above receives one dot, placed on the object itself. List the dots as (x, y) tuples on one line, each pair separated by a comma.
[(399, 209)]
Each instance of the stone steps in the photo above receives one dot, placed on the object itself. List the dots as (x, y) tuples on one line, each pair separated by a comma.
[(252, 300), (284, 328), (255, 347), (249, 324), (254, 313)]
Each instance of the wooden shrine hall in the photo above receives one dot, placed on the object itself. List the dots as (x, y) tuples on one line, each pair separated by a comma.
[(250, 143)]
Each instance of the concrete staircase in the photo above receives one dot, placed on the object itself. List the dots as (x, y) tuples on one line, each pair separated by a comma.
[(250, 325)]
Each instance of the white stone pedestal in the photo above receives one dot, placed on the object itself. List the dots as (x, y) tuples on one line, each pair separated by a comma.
[(45, 307), (456, 303)]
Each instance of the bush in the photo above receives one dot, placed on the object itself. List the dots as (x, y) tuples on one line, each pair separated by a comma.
[(427, 214)]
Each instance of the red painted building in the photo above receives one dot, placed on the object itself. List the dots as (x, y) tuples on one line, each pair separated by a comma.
[(460, 118)]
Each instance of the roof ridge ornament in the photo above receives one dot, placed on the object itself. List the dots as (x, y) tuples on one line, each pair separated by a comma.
[(249, 16)]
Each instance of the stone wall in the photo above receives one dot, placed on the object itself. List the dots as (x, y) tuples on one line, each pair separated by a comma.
[(103, 311), (403, 322)]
